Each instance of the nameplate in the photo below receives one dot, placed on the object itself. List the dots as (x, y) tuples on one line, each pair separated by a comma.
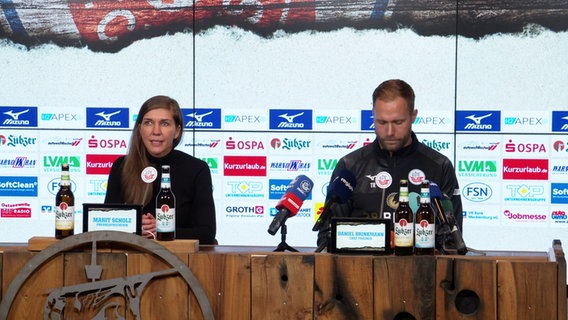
[(360, 236)]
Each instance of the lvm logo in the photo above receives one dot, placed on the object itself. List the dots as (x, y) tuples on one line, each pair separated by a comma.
[(477, 168)]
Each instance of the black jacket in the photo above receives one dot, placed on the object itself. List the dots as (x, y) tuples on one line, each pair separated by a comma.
[(372, 165), (192, 187)]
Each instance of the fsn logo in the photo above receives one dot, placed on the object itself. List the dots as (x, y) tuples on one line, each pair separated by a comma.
[(53, 186), (477, 192)]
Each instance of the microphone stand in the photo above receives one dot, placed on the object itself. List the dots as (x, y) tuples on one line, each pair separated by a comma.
[(283, 246)]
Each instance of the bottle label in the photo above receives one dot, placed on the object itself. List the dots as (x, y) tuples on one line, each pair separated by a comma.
[(165, 219), (404, 233), (64, 217), (425, 236)]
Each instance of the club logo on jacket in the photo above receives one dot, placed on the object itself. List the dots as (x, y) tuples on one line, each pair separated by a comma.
[(381, 180), (416, 176)]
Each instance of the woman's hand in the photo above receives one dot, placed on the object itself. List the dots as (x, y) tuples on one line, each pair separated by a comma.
[(148, 226)]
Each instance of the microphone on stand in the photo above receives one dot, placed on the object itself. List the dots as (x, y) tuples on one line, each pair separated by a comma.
[(444, 210), (339, 192), (291, 201)]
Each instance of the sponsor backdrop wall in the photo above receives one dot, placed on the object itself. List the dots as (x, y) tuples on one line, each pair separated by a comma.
[(272, 92)]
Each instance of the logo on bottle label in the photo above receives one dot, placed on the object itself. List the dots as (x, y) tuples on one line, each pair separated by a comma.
[(425, 235), (165, 219), (403, 233), (64, 217)]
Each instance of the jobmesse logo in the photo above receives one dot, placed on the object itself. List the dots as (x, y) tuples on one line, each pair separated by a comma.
[(18, 186), (200, 118), (100, 163), (107, 118), (18, 116), (281, 119), (559, 121), (244, 166), (525, 169), (559, 193), (524, 216), (478, 120)]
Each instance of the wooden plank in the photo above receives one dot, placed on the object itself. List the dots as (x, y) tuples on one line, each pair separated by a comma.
[(30, 299), (343, 287), (527, 290), (163, 298), (175, 246), (466, 289), (226, 280), (282, 286), (560, 259), (404, 285)]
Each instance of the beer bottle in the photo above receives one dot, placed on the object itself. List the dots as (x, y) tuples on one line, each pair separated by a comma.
[(165, 208), (64, 206), (403, 223), (425, 228)]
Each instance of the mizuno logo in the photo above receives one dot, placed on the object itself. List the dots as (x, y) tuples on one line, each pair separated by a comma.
[(199, 117), (15, 115), (290, 119), (477, 120), (105, 116)]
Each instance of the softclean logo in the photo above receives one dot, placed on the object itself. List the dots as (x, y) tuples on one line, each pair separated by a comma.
[(107, 118), (478, 120), (559, 121), (18, 116), (477, 192), (202, 118), (293, 119), (559, 193), (18, 186), (277, 188)]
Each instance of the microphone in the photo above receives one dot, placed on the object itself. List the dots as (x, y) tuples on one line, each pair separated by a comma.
[(445, 210), (339, 192), (290, 203)]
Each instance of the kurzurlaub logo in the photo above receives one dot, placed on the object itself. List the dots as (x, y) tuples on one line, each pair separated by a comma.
[(559, 121), (18, 116), (478, 120), (107, 118), (367, 120), (202, 118), (290, 119)]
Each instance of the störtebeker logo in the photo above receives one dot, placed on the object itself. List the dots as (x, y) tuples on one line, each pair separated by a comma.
[(478, 120), (525, 169)]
